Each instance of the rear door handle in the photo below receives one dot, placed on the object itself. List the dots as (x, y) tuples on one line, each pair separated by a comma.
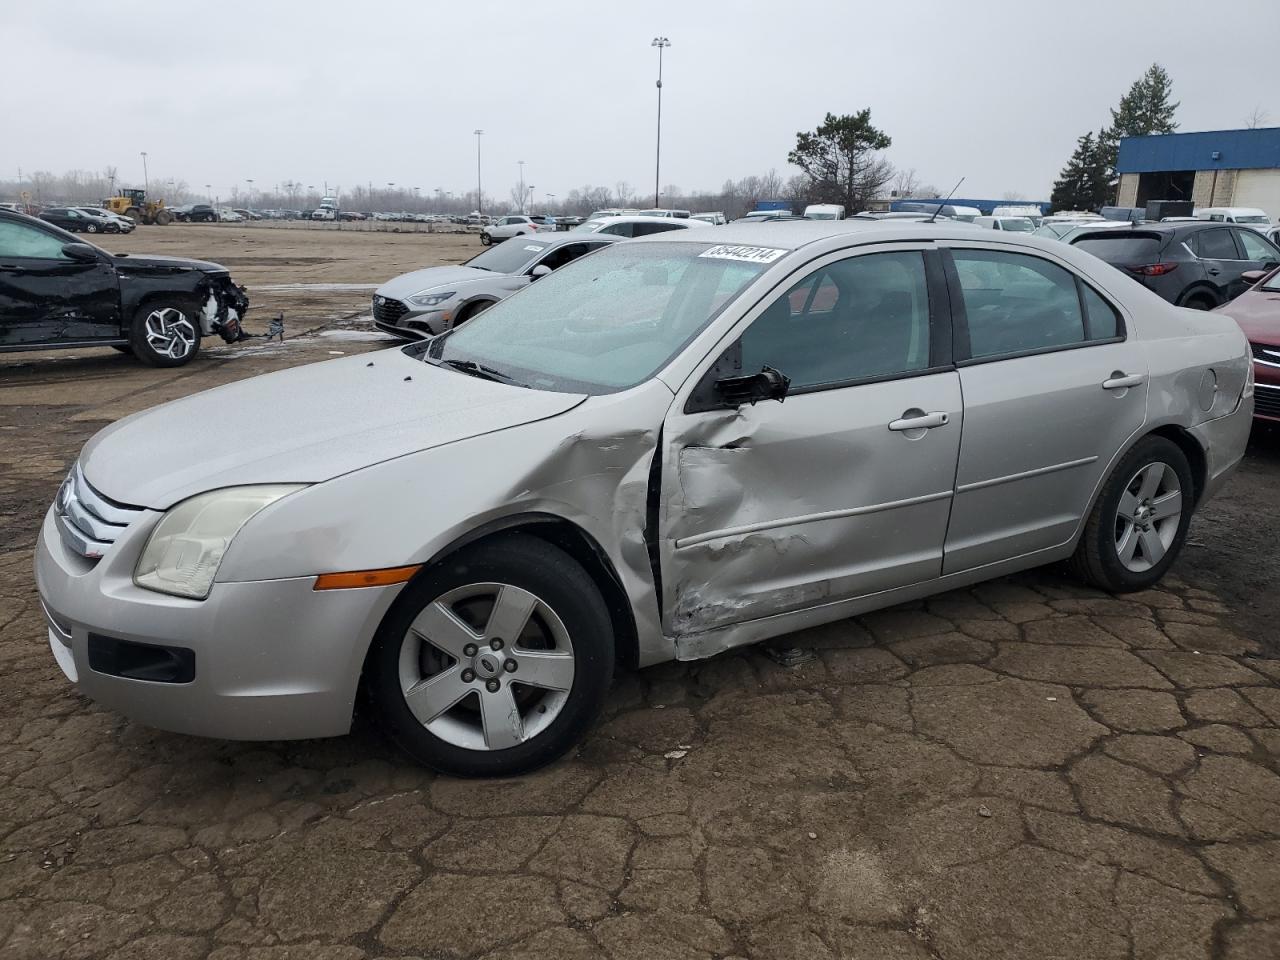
[(1214, 271), (1120, 381), (925, 421)]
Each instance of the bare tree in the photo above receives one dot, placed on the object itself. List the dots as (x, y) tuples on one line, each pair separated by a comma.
[(1258, 118), (625, 193), (905, 183), (1012, 195)]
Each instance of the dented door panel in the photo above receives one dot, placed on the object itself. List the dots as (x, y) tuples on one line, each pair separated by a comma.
[(779, 506)]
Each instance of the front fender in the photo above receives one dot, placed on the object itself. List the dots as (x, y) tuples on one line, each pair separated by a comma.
[(589, 466)]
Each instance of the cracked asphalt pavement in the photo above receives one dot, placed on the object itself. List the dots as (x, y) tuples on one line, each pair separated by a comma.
[(1026, 769)]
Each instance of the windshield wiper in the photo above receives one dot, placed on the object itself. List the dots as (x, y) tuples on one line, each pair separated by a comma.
[(476, 369)]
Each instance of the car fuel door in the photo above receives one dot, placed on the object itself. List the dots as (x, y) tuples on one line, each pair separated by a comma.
[(814, 459)]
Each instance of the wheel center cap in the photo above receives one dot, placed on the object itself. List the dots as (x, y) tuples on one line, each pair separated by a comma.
[(487, 664)]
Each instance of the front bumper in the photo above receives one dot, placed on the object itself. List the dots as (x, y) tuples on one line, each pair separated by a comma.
[(405, 320), (274, 659)]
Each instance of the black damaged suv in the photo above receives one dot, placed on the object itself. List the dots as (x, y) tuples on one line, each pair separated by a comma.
[(56, 291)]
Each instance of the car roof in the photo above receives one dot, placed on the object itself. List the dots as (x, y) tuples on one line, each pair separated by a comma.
[(794, 234), (638, 219), (566, 236)]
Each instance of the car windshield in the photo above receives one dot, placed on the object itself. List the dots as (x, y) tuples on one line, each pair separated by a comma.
[(510, 257), (1272, 283), (1017, 224), (606, 322), (1252, 218), (590, 226)]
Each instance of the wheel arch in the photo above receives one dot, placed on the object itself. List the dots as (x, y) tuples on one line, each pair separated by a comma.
[(1201, 288), (581, 546), (1191, 449)]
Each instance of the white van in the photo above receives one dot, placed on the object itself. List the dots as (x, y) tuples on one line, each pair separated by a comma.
[(1245, 216), (824, 211), (1014, 224)]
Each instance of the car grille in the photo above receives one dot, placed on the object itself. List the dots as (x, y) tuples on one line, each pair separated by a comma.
[(1266, 353), (1266, 400), (386, 310), (88, 522)]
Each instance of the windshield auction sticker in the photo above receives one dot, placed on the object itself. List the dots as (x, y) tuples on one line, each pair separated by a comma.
[(745, 254)]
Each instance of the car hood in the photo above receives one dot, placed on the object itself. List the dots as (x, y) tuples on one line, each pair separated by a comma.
[(407, 284), (304, 425), (1258, 313), (131, 261)]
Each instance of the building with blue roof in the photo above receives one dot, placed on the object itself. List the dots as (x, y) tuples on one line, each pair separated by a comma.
[(1211, 168)]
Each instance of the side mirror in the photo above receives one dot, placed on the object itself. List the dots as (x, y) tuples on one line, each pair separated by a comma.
[(768, 384), (1253, 276), (80, 251), (541, 270)]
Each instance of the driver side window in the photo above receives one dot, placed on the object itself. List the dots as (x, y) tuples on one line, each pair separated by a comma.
[(20, 240), (855, 319)]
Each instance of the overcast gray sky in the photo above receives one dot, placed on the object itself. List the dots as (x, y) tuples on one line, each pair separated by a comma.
[(217, 92)]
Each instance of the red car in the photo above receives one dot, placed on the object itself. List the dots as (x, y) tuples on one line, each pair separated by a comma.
[(1257, 310)]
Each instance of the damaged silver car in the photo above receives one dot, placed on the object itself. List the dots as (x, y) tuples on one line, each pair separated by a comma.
[(665, 450)]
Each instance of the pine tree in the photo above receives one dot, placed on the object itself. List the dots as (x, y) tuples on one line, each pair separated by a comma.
[(1144, 110), (1083, 183)]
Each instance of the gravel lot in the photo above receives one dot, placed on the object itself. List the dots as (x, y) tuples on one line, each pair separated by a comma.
[(1027, 769)]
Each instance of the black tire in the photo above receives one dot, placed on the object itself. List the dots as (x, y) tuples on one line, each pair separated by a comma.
[(163, 218), (1097, 558), (485, 239), (91, 228), (1200, 301), (469, 311), (555, 578), (143, 347)]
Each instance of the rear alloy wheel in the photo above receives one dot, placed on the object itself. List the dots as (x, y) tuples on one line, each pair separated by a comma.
[(164, 335), (486, 240), (494, 663), (91, 228), (1139, 524)]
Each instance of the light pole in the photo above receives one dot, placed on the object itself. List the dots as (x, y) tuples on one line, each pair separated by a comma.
[(661, 43), (479, 194), (249, 181), (208, 188), (521, 162), (531, 196), (145, 186)]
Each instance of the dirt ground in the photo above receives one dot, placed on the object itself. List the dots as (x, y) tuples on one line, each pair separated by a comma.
[(1027, 769)]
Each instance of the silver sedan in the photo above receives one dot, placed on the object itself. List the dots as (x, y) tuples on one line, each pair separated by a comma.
[(673, 447), (427, 302)]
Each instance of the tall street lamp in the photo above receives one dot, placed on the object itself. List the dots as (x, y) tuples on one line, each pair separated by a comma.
[(661, 43), (479, 194), (249, 181), (145, 185)]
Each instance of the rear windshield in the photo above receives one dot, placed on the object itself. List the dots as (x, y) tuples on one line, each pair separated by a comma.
[(1251, 218), (1121, 249)]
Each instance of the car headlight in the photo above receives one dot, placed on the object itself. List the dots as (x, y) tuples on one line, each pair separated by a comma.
[(428, 298), (182, 555)]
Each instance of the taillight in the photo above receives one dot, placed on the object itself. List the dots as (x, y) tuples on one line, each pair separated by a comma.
[(1153, 269)]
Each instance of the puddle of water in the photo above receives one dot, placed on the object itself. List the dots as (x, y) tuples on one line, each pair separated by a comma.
[(316, 287)]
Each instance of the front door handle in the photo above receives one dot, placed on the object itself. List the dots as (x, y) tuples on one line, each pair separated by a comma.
[(1214, 271), (1121, 381), (921, 421)]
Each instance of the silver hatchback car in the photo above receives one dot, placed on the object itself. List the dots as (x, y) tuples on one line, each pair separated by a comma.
[(665, 450)]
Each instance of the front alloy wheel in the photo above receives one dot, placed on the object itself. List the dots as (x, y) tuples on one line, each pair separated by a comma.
[(163, 335), (493, 662), (486, 666)]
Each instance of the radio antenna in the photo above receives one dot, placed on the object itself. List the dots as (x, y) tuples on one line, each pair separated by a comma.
[(944, 200)]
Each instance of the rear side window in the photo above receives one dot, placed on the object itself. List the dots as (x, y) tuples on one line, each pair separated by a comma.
[(1104, 322), (1256, 247), (1214, 245), (1017, 303), (644, 229), (1122, 249)]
